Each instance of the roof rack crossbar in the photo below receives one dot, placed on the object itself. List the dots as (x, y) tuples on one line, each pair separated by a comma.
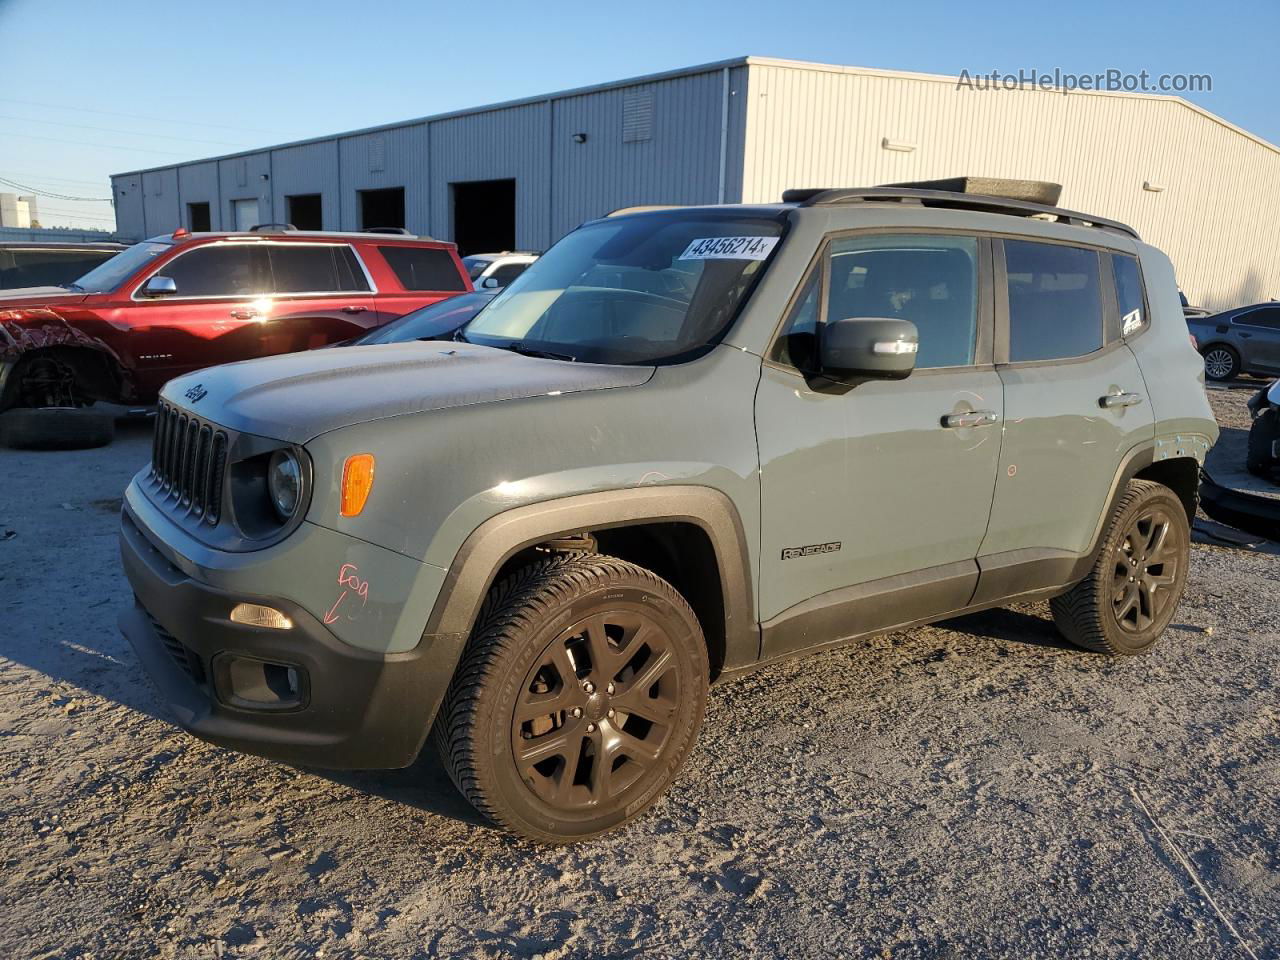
[(946, 198)]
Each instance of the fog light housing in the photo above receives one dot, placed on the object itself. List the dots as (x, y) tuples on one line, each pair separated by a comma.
[(257, 615), (253, 684)]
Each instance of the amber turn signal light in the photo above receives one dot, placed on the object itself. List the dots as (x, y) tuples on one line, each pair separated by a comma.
[(357, 483)]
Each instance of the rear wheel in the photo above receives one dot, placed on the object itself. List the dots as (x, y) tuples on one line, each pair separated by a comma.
[(1132, 592), (578, 699), (1221, 362)]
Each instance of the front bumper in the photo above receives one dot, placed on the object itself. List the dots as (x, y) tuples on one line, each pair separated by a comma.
[(359, 709)]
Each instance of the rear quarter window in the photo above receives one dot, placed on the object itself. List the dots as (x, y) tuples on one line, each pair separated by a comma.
[(1129, 297), (423, 268)]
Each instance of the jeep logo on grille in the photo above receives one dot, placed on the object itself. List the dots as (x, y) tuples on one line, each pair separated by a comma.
[(197, 393)]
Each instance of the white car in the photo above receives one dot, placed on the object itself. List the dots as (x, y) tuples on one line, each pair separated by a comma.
[(493, 271)]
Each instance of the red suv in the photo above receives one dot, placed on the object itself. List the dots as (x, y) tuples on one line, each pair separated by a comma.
[(173, 304)]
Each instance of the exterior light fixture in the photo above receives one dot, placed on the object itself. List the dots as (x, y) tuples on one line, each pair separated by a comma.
[(899, 146), (1152, 187), (579, 138)]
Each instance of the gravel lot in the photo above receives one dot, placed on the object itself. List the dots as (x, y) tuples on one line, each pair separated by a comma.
[(974, 789)]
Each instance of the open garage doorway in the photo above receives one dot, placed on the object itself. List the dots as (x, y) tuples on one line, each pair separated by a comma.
[(382, 208), (304, 211), (484, 216)]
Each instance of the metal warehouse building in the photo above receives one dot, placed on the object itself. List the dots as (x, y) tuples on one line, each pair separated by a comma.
[(523, 173)]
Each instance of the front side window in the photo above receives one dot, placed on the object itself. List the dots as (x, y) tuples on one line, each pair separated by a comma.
[(220, 270), (638, 289), (930, 280), (1055, 303), (108, 277), (508, 272), (1129, 294)]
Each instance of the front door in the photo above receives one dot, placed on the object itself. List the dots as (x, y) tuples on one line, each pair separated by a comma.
[(1075, 404), (876, 495)]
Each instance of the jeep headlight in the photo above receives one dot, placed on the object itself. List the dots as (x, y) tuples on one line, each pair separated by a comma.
[(284, 483)]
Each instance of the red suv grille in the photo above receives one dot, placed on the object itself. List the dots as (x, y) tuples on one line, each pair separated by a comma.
[(189, 461)]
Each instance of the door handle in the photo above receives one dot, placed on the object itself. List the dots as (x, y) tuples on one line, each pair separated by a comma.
[(354, 309), (1119, 400), (242, 314), (972, 418)]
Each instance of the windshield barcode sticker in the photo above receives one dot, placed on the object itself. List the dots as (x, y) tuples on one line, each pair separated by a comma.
[(729, 248)]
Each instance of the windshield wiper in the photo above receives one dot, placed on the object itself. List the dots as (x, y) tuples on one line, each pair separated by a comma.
[(517, 347)]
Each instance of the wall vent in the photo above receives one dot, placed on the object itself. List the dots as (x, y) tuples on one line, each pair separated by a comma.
[(242, 173), (377, 154), (637, 116)]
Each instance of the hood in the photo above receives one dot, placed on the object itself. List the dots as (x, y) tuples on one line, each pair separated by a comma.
[(301, 395), (37, 295)]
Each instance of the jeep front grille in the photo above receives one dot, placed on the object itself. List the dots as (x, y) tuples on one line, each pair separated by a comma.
[(189, 461)]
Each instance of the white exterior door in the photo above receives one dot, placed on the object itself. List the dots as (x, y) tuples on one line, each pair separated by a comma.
[(245, 214)]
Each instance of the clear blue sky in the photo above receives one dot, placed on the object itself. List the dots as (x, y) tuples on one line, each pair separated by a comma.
[(91, 88)]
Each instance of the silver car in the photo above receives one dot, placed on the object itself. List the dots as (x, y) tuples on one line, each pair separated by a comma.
[(1243, 340)]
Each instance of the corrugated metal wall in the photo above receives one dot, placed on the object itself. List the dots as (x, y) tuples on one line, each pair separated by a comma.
[(1218, 216), (674, 156)]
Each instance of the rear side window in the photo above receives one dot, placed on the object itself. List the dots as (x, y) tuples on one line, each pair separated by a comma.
[(1055, 303), (1129, 297), (43, 268), (220, 270), (423, 268), (1265, 317), (297, 268)]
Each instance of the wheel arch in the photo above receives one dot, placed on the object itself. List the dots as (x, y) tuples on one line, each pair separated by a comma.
[(98, 371), (690, 535)]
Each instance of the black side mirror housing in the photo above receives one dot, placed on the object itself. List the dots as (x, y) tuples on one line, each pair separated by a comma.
[(878, 348)]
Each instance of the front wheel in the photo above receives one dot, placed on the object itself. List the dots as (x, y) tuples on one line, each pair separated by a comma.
[(1130, 595), (577, 700)]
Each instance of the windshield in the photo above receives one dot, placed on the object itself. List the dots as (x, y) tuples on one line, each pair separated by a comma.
[(440, 320), (639, 289), (475, 265), (107, 277)]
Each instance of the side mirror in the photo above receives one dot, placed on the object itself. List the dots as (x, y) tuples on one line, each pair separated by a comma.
[(159, 286), (490, 283), (878, 348)]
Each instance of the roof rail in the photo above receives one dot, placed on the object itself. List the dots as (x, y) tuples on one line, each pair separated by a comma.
[(394, 231), (644, 208), (953, 199), (272, 228)]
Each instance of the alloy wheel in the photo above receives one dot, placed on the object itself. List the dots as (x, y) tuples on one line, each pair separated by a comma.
[(1219, 364), (1145, 570), (596, 710)]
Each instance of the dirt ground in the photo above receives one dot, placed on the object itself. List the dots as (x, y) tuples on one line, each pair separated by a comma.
[(975, 789)]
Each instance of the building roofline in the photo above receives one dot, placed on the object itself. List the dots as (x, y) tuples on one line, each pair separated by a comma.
[(671, 75), (468, 111)]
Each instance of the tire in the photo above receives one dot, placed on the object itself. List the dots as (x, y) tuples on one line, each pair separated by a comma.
[(1264, 432), (1110, 611), (1221, 362), (56, 428), (534, 650)]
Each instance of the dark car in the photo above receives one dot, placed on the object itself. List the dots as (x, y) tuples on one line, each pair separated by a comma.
[(45, 264), (440, 321), (1243, 340)]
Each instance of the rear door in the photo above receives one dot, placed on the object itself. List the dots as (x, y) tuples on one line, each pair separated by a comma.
[(320, 294), (414, 276), (1075, 405), (876, 495), (1259, 334)]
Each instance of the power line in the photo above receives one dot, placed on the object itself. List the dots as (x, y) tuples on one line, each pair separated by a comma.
[(56, 196), (131, 133), (132, 116), (45, 176), (89, 143)]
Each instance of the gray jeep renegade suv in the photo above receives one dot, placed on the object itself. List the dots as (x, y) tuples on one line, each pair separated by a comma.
[(684, 443)]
